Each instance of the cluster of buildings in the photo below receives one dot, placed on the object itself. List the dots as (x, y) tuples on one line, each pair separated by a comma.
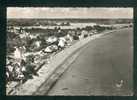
[(24, 58)]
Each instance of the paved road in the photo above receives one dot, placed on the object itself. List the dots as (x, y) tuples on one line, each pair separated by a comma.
[(104, 67)]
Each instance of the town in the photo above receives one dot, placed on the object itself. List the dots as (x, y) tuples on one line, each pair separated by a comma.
[(29, 47)]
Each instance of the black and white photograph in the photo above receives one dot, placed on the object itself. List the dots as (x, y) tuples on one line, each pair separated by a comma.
[(69, 51)]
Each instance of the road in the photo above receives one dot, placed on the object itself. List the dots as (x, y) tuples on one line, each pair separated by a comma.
[(104, 67)]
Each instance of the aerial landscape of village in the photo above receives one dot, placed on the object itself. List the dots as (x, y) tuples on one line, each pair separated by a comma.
[(69, 55)]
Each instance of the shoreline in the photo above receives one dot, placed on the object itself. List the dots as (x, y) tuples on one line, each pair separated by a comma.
[(48, 70)]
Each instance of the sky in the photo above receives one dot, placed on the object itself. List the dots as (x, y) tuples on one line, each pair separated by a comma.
[(68, 12)]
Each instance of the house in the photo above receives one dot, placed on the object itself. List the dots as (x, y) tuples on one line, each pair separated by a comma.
[(69, 38), (52, 40), (51, 48), (62, 42)]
